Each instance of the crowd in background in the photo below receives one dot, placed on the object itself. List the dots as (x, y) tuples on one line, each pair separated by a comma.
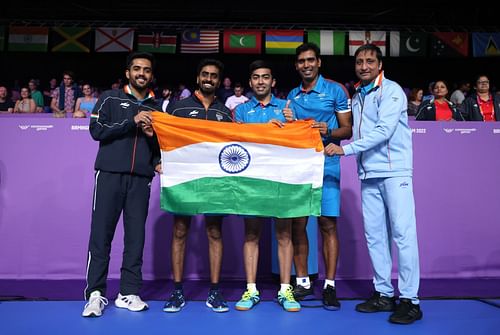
[(476, 100)]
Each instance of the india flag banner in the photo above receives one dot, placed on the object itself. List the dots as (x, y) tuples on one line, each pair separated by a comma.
[(229, 168)]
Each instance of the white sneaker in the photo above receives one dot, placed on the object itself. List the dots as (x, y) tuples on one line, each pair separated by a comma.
[(131, 302), (95, 305)]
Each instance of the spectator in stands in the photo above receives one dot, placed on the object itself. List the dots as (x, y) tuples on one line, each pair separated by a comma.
[(85, 105), (414, 100), (184, 92), (64, 97), (237, 98), (439, 108), (430, 92), (36, 94), (6, 104), (166, 95), (25, 104), (482, 105), (47, 94), (458, 96), (226, 90)]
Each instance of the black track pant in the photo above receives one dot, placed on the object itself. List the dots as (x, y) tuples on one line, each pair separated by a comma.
[(114, 193)]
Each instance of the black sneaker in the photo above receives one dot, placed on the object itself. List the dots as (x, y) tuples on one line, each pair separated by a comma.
[(175, 302), (217, 302), (301, 293), (406, 312), (330, 301), (377, 303)]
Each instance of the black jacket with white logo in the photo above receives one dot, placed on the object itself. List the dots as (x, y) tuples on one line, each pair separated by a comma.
[(191, 107), (123, 147)]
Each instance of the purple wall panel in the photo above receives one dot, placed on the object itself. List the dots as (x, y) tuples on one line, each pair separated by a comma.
[(46, 178)]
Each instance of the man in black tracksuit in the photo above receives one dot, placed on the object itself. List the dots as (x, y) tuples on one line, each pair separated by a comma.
[(125, 165)]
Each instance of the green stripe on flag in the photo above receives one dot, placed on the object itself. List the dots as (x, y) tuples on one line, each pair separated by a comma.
[(329, 42), (246, 196), (168, 48)]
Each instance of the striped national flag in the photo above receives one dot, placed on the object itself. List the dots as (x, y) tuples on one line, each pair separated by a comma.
[(283, 41), (200, 41), (202, 160), (156, 42), (329, 42), (28, 38), (362, 37)]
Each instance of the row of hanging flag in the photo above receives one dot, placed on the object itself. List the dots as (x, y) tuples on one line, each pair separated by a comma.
[(200, 41)]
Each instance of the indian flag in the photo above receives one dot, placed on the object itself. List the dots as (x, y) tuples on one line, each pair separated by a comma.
[(229, 168), (28, 38)]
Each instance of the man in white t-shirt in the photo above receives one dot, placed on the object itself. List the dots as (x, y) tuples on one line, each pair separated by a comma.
[(458, 96), (237, 98)]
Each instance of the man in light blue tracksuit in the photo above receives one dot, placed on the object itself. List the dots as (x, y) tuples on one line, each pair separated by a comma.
[(383, 145)]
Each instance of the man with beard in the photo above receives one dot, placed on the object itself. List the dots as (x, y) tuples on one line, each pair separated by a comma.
[(124, 167), (201, 105)]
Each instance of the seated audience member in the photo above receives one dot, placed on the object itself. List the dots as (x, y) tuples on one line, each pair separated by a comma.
[(482, 105), (85, 105), (166, 95), (225, 91), (438, 108), (64, 97), (6, 104), (237, 98), (25, 104), (36, 95), (414, 100), (458, 96)]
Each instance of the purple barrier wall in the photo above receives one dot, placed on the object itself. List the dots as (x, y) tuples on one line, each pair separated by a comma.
[(46, 178)]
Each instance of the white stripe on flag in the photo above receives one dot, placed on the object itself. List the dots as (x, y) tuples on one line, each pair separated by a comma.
[(29, 39), (326, 41), (269, 162), (395, 41)]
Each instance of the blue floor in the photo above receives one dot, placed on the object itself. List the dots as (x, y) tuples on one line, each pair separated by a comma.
[(63, 317)]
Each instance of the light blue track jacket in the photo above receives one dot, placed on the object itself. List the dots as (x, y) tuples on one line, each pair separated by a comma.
[(382, 139)]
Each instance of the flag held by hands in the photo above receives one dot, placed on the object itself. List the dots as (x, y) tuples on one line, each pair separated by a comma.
[(229, 168)]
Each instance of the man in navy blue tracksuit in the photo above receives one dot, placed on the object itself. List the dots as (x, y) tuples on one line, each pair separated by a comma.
[(125, 165)]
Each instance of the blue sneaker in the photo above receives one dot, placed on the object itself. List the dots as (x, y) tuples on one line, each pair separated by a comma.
[(248, 300), (216, 301), (175, 302), (287, 301)]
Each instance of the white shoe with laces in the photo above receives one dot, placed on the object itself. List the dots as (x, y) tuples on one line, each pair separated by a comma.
[(95, 306), (131, 302)]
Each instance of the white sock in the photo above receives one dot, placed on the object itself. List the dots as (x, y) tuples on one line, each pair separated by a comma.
[(304, 282), (284, 287), (251, 287), (330, 282)]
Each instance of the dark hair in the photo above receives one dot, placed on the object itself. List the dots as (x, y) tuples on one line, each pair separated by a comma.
[(209, 61), (369, 47), (259, 64), (69, 73), (141, 54), (413, 93), (306, 47)]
